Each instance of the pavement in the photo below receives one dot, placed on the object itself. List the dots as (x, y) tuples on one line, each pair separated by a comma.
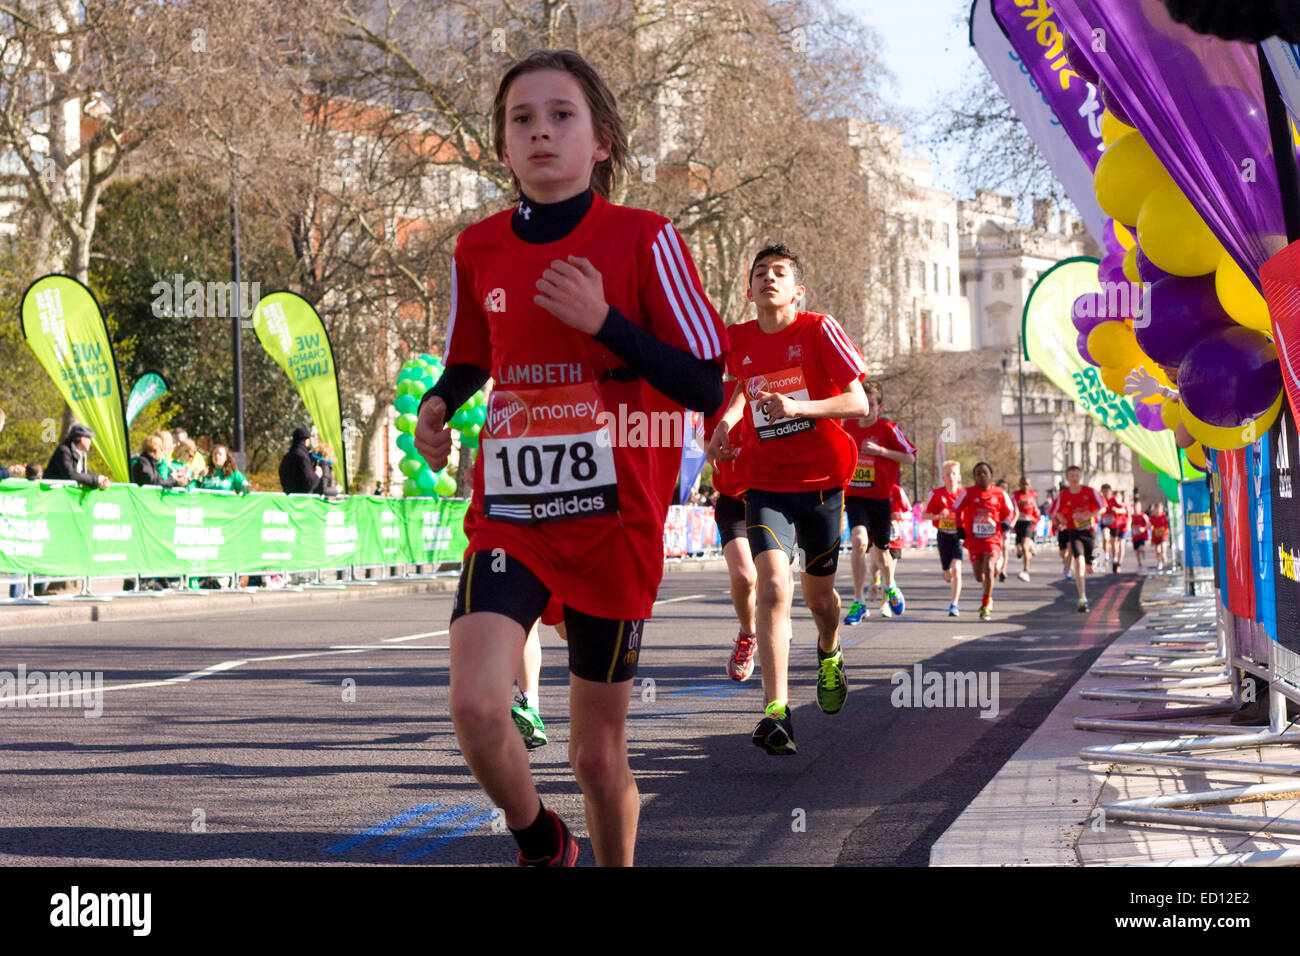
[(1049, 807)]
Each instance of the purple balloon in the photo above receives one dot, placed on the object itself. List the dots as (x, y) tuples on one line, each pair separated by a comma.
[(1078, 59), (1110, 240), (1089, 311), (1111, 268), (1177, 312), (1148, 417), (1111, 102), (1148, 271), (1082, 343), (1229, 376)]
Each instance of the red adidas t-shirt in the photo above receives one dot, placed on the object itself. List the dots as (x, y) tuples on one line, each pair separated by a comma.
[(981, 514), (575, 469), (941, 499), (1026, 505), (1141, 525), (898, 509), (1159, 527), (810, 359), (724, 472), (874, 475), (1119, 514), (1069, 503)]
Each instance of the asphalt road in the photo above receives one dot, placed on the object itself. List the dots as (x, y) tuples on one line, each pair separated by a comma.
[(320, 735)]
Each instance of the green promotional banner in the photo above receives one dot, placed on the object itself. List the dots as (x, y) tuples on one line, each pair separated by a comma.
[(66, 530), (64, 327), (149, 387), (293, 334), (1051, 344)]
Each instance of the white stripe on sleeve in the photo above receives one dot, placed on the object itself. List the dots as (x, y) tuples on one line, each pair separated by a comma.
[(451, 321), (692, 295), (843, 344), (682, 321)]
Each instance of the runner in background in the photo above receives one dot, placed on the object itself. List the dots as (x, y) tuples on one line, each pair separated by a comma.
[(1160, 537), (1005, 551), (899, 508), (799, 375), (1027, 515), (882, 449), (729, 513), (1107, 521), (984, 512), (1119, 529), (938, 509), (1060, 527), (1141, 529), (1078, 506)]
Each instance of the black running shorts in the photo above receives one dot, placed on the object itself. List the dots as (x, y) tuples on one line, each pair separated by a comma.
[(810, 519), (875, 515), (949, 549), (1082, 541), (600, 649), (729, 513), (1024, 529)]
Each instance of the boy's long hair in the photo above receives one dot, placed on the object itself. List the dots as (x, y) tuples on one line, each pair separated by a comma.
[(609, 127)]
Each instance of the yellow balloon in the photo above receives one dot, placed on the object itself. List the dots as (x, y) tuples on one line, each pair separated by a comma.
[(1113, 345), (1112, 129), (1125, 237), (1196, 455), (1126, 174), (1171, 413), (1131, 266), (1239, 297), (1173, 235), (1113, 378), (1237, 436)]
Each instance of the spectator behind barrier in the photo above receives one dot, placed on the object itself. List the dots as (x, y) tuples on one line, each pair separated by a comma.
[(34, 471), (189, 452), (146, 468), (68, 463), (298, 474), (223, 475), (324, 467)]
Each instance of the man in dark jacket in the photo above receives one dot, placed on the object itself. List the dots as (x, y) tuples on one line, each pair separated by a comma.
[(298, 474), (68, 463), (144, 469)]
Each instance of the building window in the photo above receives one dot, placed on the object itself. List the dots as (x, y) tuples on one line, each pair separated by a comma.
[(943, 231), (935, 275), (948, 272), (920, 274), (929, 229), (999, 281)]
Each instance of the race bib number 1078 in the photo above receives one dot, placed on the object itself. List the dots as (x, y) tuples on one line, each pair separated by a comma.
[(544, 457)]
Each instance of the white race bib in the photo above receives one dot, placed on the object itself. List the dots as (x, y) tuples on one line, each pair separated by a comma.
[(788, 382)]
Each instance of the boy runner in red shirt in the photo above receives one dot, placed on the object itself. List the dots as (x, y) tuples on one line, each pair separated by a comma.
[(939, 510), (1077, 508), (881, 449), (1160, 537), (584, 313), (799, 373), (899, 508), (1118, 529), (984, 513), (1141, 528), (1026, 501)]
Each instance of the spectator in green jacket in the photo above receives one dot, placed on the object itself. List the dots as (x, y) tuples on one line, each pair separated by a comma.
[(223, 475)]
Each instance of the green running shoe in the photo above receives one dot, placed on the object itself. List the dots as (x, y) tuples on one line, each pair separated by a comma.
[(529, 722), (832, 688), (857, 611), (774, 732)]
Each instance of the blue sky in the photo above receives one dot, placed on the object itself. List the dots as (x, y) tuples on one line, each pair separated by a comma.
[(926, 47)]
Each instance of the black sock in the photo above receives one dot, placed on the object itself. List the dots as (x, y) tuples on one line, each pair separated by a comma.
[(539, 839)]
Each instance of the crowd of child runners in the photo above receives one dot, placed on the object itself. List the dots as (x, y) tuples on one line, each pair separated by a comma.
[(584, 312)]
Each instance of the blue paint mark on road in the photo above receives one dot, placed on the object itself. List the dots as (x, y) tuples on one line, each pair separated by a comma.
[(406, 816)]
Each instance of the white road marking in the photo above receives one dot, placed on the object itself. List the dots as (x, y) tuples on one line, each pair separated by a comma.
[(413, 637), (1025, 669), (684, 597)]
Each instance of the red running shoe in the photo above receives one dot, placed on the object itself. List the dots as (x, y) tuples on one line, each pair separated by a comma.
[(568, 853), (741, 664)]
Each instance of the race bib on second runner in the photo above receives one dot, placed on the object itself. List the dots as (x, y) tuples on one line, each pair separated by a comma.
[(1082, 519), (547, 455), (864, 473), (947, 524), (789, 382), (984, 528)]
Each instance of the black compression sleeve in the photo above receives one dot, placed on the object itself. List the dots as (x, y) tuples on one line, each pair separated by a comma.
[(693, 383), (456, 385)]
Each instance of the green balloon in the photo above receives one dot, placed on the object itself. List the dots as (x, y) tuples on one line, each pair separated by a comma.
[(446, 485), (410, 466), (1168, 487), (426, 480), (469, 440), (474, 431), (479, 415), (460, 419), (407, 404), (410, 489), (406, 423), (406, 443)]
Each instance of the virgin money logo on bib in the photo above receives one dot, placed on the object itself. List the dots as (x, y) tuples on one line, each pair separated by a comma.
[(754, 386), (507, 415)]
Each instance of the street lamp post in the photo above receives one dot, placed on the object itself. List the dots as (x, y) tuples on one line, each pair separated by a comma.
[(237, 352), (1020, 371)]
